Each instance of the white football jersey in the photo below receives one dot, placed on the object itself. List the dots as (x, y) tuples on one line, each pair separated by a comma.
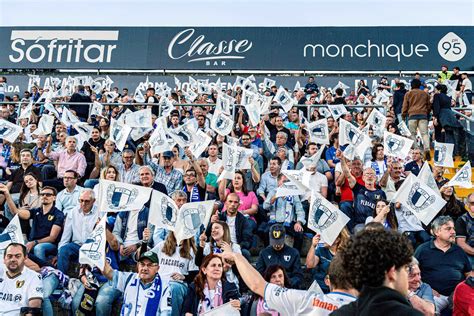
[(137, 299), (297, 302), (17, 292)]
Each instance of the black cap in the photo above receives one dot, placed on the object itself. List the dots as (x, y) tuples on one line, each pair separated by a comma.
[(150, 255), (277, 234)]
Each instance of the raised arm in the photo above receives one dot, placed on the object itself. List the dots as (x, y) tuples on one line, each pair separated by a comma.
[(347, 173), (251, 277)]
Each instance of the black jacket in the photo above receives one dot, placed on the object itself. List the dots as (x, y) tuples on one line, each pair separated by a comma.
[(82, 111), (381, 301), (288, 257), (243, 230), (191, 302), (398, 96)]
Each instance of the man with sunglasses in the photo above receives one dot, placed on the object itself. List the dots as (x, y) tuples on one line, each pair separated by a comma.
[(46, 227), (79, 225)]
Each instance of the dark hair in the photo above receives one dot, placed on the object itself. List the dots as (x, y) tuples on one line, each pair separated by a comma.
[(76, 175), (244, 184), (456, 68), (370, 254), (415, 84), (271, 269), (200, 279), (391, 219), (442, 88), (24, 189), (400, 85), (339, 91), (26, 150), (276, 159), (374, 150), (15, 244), (55, 192), (397, 131)]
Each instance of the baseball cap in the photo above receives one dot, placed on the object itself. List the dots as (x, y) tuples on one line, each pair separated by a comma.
[(150, 255), (277, 234), (168, 154)]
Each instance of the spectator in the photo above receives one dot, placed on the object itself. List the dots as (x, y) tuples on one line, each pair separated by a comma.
[(443, 264), (398, 97), (82, 111), (274, 274), (270, 149), (47, 223), (311, 86), (211, 179), (95, 141), (130, 283), (466, 87), (384, 215), (417, 107), (69, 159), (80, 222), (365, 197), (19, 283), (165, 172), (382, 277), (268, 182), (287, 211), (420, 295), (465, 229), (240, 227), (390, 178), (194, 182), (319, 258), (128, 169), (378, 162), (279, 253), (210, 288), (443, 75), (462, 299), (248, 200), (215, 163), (416, 164), (68, 198)]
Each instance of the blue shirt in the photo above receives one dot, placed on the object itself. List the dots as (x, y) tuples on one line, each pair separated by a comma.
[(43, 223), (364, 202), (321, 270), (442, 270), (425, 292), (413, 168), (267, 183)]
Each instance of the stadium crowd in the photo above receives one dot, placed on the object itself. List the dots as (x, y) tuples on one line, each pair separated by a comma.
[(51, 181)]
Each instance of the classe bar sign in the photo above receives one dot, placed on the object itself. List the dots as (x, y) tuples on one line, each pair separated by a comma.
[(238, 48)]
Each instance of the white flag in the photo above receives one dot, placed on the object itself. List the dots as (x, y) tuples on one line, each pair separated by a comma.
[(119, 133), (443, 154), (426, 176), (190, 218), (325, 219), (463, 177), (184, 134), (163, 211), (9, 131), (26, 112), (12, 233), (120, 196), (313, 160), (376, 119), (395, 145), (138, 95), (243, 155), (111, 96), (92, 252), (337, 110), (52, 110), (157, 141), (84, 129), (253, 111), (223, 103), (224, 309), (222, 123), (403, 128), (284, 99), (68, 118), (349, 134), (299, 178), (139, 132), (349, 152), (268, 83), (45, 125), (229, 162), (419, 198), (288, 189), (319, 131), (140, 118), (200, 143), (96, 109)]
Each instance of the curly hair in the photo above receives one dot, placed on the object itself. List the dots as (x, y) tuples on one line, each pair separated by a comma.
[(372, 253)]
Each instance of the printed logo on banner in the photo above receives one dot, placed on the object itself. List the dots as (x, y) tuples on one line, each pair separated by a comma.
[(193, 218), (168, 212), (394, 144), (118, 197), (452, 47), (352, 134), (323, 216), (419, 199), (186, 45), (63, 46), (439, 153)]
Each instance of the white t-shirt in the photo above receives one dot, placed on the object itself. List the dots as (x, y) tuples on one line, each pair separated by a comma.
[(16, 293), (214, 166), (316, 182), (231, 223), (174, 263), (467, 84), (407, 221), (297, 302), (137, 298)]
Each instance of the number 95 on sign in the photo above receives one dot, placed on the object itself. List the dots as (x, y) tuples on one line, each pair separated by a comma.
[(452, 47)]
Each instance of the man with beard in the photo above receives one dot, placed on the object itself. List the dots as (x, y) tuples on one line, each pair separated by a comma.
[(19, 287)]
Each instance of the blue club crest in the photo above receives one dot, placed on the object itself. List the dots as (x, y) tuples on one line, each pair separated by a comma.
[(91, 246), (118, 198), (419, 199), (322, 217), (319, 130), (168, 212), (394, 145), (439, 153), (353, 135), (193, 218)]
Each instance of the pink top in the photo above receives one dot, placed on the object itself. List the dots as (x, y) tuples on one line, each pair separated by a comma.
[(246, 201), (262, 308), (76, 162)]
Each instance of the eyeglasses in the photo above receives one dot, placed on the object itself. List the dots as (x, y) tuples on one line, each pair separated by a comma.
[(148, 265), (84, 201), (245, 138), (127, 157), (46, 194), (189, 175)]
